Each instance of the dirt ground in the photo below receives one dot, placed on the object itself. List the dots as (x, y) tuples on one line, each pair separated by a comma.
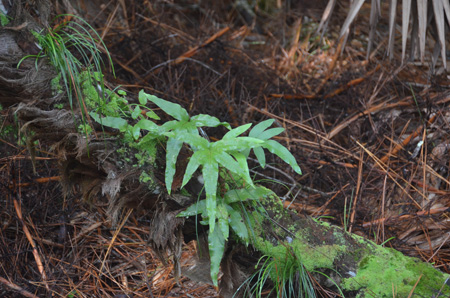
[(371, 137)]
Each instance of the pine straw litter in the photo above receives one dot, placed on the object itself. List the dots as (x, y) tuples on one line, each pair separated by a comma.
[(372, 139)]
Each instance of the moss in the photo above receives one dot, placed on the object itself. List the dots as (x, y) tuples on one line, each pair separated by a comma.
[(145, 157), (85, 129), (311, 257), (108, 104), (145, 178), (144, 160), (296, 246), (323, 223), (113, 105), (4, 19), (387, 269), (90, 93), (55, 85)]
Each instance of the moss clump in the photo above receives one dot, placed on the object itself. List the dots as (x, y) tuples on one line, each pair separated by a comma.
[(108, 103), (84, 129), (141, 152), (55, 85), (149, 180), (312, 258), (292, 244), (386, 270)]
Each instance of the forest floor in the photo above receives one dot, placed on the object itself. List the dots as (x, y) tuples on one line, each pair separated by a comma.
[(371, 137)]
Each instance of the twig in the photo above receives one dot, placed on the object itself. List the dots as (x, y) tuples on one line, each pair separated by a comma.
[(114, 238), (38, 180), (351, 83), (194, 50), (358, 188), (415, 285), (393, 175), (18, 209), (312, 131), (324, 206), (406, 141), (336, 92), (277, 170), (188, 54), (173, 61), (440, 246), (406, 216), (17, 288)]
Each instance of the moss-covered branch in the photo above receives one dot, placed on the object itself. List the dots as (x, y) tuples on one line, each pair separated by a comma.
[(356, 265)]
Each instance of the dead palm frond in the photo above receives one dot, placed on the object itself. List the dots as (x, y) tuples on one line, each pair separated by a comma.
[(419, 13)]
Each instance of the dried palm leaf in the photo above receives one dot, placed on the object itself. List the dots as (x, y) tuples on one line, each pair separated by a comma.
[(353, 12), (422, 15), (405, 24), (375, 14), (392, 12), (326, 16), (414, 11), (438, 7)]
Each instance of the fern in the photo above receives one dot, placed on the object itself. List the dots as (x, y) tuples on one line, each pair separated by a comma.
[(227, 156)]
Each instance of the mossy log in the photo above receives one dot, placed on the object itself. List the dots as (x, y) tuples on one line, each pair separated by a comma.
[(359, 267), (105, 167)]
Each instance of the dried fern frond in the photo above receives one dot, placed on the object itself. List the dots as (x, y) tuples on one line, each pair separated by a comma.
[(419, 13)]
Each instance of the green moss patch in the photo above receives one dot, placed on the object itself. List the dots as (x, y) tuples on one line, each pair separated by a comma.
[(388, 273)]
